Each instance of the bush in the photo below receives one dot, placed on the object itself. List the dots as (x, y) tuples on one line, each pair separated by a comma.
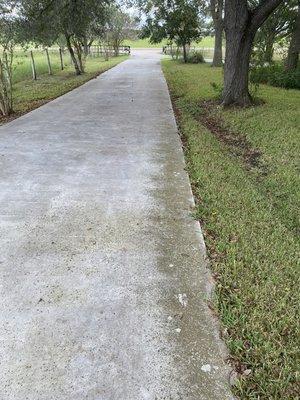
[(276, 75), (195, 57)]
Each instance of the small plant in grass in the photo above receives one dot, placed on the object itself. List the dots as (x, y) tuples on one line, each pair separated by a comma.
[(217, 88)]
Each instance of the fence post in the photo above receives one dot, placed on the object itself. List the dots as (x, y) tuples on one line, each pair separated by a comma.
[(48, 62), (33, 66), (61, 59)]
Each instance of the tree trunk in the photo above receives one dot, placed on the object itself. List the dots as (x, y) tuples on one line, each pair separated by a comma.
[(269, 48), (86, 49), (292, 60), (106, 53), (238, 50), (217, 16), (116, 48), (241, 25), (236, 70), (218, 56), (184, 53), (5, 100), (72, 54), (81, 61), (6, 67), (80, 55)]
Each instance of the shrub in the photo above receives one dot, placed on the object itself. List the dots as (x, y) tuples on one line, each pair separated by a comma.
[(276, 75), (195, 57)]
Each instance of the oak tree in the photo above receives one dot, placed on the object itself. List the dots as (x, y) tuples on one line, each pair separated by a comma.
[(241, 22), (178, 21)]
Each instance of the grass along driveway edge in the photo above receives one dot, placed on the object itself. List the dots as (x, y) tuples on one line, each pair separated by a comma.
[(249, 230), (29, 94)]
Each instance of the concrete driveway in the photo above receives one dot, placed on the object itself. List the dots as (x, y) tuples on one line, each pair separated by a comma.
[(103, 277)]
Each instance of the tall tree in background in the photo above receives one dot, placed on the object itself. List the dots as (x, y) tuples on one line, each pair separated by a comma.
[(293, 53), (241, 24), (276, 28), (178, 21), (217, 9), (45, 20), (119, 27)]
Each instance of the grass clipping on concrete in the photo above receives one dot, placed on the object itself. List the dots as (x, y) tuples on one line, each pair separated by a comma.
[(249, 210)]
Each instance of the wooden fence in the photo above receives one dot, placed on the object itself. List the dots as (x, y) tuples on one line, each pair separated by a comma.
[(63, 58), (175, 51), (100, 50)]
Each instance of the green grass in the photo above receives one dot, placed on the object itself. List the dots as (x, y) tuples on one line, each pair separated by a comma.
[(207, 41), (251, 225), (22, 63), (29, 94)]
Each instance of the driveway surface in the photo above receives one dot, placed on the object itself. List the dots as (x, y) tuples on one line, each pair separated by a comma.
[(103, 276)]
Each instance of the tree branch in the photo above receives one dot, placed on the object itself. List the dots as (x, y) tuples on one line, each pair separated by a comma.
[(213, 8), (262, 11), (216, 9)]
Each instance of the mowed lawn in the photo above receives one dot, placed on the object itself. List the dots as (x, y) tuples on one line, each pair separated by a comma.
[(245, 176), (29, 94)]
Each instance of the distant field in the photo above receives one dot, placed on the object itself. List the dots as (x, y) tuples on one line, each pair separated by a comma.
[(144, 43)]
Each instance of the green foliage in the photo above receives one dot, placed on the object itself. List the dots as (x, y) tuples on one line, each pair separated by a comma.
[(119, 26), (43, 22), (7, 44), (278, 26), (250, 219), (178, 21), (218, 89), (195, 57), (46, 20), (276, 75), (22, 63)]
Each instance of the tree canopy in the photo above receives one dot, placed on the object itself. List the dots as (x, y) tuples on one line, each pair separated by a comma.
[(45, 20), (179, 21)]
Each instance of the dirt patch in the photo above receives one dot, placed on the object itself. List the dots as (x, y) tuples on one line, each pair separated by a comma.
[(32, 105), (4, 119), (237, 142)]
